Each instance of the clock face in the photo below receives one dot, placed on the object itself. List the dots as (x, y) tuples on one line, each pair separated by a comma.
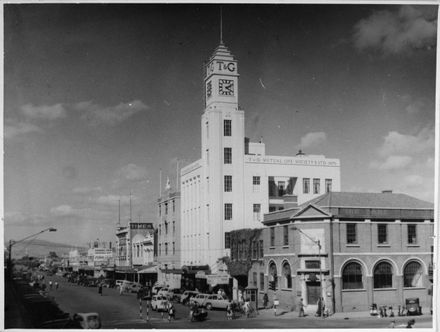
[(209, 89), (226, 87)]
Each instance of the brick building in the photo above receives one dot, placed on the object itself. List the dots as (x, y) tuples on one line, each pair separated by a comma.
[(365, 248)]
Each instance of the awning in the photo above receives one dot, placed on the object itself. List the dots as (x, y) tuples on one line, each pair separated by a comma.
[(151, 269), (172, 271)]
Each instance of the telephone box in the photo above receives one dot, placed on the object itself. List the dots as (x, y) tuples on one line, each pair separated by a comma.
[(252, 294)]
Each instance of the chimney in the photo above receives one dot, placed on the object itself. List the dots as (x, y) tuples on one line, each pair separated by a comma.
[(290, 201), (388, 191)]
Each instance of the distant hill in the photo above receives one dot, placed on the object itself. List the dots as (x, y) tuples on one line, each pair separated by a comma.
[(40, 248)]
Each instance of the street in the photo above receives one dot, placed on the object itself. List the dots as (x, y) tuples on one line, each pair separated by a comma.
[(122, 311)]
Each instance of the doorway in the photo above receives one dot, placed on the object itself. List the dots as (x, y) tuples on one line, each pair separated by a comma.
[(313, 292)]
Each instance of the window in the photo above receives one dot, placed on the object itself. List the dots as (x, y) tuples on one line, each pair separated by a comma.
[(166, 208), (316, 186), (261, 253), (313, 265), (254, 249), (412, 275), (272, 208), (351, 233), (166, 228), (382, 233), (174, 227), (207, 156), (383, 276), (254, 278), (174, 206), (257, 210), (160, 249), (228, 183), (207, 184), (227, 240), (261, 281), (174, 248), (412, 234), (207, 129), (272, 236), (228, 211), (160, 229), (286, 235), (281, 188), (287, 275), (227, 127), (256, 184), (352, 276), (166, 248), (328, 185), (273, 274), (160, 210), (306, 186), (228, 155)]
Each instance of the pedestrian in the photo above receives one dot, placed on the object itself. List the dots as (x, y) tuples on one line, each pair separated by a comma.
[(276, 303), (140, 295), (229, 312), (56, 285), (319, 310), (301, 308), (410, 324), (171, 312), (266, 300), (100, 289), (50, 284)]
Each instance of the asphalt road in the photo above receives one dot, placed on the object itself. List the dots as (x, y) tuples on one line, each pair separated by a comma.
[(123, 312)]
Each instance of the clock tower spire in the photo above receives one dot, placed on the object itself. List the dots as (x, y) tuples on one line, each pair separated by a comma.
[(221, 77)]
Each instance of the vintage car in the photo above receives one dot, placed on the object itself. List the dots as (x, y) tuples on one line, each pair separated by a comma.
[(200, 299), (216, 301), (187, 296), (159, 303), (413, 306)]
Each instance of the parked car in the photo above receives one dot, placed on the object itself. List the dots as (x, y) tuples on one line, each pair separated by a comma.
[(159, 303), (200, 299), (216, 301), (176, 294), (134, 287), (165, 291), (187, 295), (156, 289)]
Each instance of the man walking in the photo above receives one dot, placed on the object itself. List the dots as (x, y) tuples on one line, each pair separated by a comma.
[(301, 308)]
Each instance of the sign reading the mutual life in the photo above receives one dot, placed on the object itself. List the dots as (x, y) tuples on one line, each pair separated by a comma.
[(293, 161), (221, 67)]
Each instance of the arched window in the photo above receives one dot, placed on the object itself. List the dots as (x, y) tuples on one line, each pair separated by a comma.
[(287, 275), (383, 275), (352, 276), (273, 274), (412, 275)]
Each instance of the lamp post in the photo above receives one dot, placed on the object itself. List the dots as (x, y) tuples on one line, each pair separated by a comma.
[(12, 242), (318, 243)]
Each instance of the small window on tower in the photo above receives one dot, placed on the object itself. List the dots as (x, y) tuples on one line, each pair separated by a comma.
[(228, 155), (227, 127)]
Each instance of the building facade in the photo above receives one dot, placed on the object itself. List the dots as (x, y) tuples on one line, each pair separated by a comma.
[(234, 182), (168, 238), (373, 248)]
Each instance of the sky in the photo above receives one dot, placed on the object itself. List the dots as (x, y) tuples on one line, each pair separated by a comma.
[(100, 99)]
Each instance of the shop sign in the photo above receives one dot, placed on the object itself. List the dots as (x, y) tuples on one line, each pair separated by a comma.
[(213, 279), (201, 275)]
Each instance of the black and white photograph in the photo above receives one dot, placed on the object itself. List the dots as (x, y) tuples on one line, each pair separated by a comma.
[(220, 165)]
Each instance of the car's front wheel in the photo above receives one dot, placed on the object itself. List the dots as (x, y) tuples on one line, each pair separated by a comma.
[(209, 306)]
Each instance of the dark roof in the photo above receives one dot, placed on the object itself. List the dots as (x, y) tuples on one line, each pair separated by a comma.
[(369, 200), (281, 214)]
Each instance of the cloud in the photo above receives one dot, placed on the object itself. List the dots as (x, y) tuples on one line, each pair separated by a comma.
[(133, 172), (393, 32), (113, 200), (96, 115), (413, 180), (64, 211), (44, 112), (14, 218), (392, 163), (396, 143), (86, 190), (312, 139), (16, 129)]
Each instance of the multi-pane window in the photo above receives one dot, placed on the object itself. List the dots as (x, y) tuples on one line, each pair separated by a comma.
[(306, 185), (382, 233), (261, 281), (166, 228), (316, 186), (261, 253), (351, 233), (352, 276), (228, 183), (228, 155), (287, 274), (272, 236), (166, 208), (227, 240), (412, 275), (412, 234), (174, 206), (174, 248), (286, 235), (174, 227), (328, 185), (257, 211), (254, 278), (227, 127), (383, 276), (207, 156), (228, 211), (256, 184), (160, 249), (166, 248)]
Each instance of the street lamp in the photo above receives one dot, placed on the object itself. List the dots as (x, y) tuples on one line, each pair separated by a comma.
[(318, 243), (12, 242)]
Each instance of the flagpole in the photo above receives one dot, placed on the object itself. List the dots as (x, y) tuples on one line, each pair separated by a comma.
[(160, 182)]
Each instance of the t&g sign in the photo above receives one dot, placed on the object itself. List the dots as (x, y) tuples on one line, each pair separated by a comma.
[(221, 67)]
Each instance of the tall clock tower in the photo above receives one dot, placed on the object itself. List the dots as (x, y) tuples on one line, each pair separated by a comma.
[(222, 151)]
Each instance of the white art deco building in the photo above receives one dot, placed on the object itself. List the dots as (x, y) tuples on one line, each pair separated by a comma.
[(234, 182)]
